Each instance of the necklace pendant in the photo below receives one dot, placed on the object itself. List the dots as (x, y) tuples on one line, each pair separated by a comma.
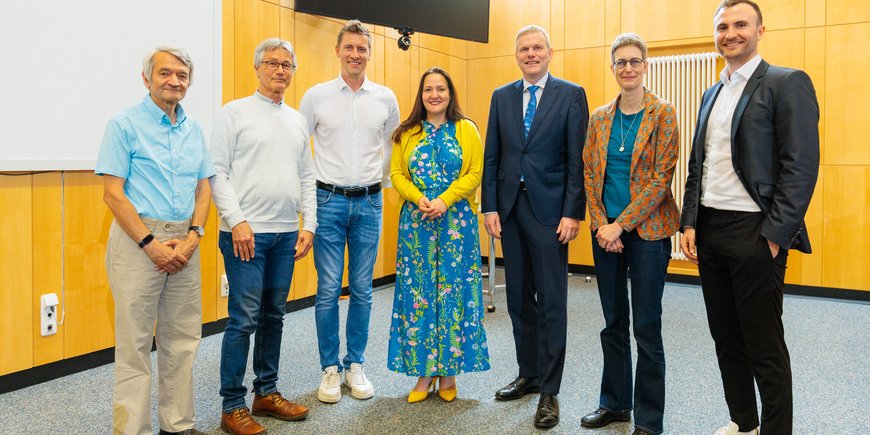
[(621, 148)]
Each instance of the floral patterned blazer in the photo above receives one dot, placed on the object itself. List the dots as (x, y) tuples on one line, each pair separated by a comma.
[(652, 210)]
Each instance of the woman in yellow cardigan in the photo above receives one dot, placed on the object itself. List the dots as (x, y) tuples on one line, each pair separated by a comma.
[(436, 329)]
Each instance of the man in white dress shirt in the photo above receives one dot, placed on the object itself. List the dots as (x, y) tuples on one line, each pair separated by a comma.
[(351, 119)]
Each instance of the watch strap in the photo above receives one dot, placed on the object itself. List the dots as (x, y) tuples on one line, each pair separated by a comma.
[(146, 240)]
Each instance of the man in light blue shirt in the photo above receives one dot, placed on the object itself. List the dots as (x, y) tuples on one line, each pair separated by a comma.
[(156, 168)]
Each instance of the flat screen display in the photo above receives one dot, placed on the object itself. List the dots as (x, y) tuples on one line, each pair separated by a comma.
[(461, 19)]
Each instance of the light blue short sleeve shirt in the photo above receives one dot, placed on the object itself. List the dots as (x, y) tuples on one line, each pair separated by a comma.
[(161, 162)]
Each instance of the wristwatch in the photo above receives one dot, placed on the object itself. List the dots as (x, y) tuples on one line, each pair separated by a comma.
[(199, 230), (146, 240)]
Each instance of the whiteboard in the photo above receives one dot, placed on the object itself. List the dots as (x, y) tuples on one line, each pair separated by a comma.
[(68, 67)]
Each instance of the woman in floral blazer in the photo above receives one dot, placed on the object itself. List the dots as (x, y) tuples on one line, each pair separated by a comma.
[(629, 158)]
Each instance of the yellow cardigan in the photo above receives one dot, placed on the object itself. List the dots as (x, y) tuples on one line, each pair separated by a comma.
[(469, 175)]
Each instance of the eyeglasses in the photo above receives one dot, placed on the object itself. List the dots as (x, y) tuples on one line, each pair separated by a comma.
[(621, 63), (272, 65)]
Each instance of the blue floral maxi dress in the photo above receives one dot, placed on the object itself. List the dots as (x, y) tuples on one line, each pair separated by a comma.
[(436, 327)]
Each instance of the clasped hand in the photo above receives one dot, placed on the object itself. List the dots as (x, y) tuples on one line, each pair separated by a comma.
[(432, 209), (608, 239)]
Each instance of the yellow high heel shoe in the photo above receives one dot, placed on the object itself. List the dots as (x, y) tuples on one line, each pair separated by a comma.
[(447, 395), (418, 396)]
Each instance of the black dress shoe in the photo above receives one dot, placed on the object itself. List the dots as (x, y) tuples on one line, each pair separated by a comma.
[(517, 389), (602, 417), (640, 432), (547, 415)]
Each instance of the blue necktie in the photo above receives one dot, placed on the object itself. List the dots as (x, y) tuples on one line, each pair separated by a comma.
[(530, 109)]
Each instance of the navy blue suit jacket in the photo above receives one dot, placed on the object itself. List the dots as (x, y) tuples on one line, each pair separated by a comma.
[(550, 158)]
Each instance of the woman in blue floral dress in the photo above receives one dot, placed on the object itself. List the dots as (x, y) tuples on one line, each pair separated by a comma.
[(436, 329)]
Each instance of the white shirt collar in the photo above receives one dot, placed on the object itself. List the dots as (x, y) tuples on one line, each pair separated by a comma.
[(541, 83), (744, 72), (343, 84)]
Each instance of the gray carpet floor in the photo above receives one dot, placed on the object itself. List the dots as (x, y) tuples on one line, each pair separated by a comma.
[(828, 341)]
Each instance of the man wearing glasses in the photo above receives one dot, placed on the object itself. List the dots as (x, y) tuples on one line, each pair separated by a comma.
[(264, 180)]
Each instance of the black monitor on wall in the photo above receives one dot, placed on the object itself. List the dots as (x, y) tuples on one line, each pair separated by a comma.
[(461, 19)]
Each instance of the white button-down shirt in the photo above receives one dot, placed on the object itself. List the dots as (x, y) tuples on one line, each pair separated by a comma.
[(351, 130), (720, 187)]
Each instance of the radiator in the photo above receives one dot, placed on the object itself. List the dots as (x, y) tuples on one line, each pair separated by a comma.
[(682, 79)]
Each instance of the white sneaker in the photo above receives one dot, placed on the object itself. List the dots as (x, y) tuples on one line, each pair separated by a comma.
[(330, 386), (359, 384), (733, 429)]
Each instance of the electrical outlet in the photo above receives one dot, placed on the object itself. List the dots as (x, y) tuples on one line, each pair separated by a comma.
[(225, 286), (48, 314)]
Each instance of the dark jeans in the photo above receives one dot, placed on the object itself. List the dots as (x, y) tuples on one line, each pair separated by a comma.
[(645, 263), (258, 296), (743, 286)]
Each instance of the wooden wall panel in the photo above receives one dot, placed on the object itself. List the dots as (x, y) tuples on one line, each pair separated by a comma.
[(47, 262), (668, 19), (844, 86), (317, 60), (208, 260), (847, 11), (506, 17), (89, 320), (780, 14), (228, 51), (487, 75), (587, 68), (845, 254), (255, 20), (287, 32), (558, 21), (591, 32), (440, 44), (814, 64), (783, 48), (815, 13), (17, 333)]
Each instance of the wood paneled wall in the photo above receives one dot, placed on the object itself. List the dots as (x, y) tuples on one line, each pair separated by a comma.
[(55, 225)]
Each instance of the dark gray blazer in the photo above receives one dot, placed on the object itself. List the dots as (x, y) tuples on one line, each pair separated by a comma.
[(774, 150), (550, 158)]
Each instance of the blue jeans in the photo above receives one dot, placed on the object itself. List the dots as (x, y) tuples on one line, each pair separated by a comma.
[(357, 223), (646, 264), (258, 296)]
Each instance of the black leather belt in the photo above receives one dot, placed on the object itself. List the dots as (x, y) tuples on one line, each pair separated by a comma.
[(350, 192)]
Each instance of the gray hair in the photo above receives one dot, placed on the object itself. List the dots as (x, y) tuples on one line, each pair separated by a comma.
[(626, 40), (272, 44), (179, 53), (532, 29), (354, 26)]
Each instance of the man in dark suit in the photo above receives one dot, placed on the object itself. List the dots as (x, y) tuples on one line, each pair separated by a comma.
[(533, 199), (752, 171)]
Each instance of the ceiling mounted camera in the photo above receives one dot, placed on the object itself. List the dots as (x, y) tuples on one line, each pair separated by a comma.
[(404, 41)]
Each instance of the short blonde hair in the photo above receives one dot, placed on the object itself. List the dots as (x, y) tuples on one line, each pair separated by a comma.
[(628, 40), (533, 29), (354, 26)]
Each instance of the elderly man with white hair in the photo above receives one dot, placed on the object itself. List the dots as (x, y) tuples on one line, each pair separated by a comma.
[(265, 180), (155, 169)]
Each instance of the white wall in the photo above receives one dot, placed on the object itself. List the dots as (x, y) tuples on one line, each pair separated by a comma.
[(69, 66)]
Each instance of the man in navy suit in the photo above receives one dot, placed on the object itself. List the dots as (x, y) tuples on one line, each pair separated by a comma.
[(752, 171), (533, 200)]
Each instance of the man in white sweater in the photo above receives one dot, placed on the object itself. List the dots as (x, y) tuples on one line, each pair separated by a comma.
[(264, 180)]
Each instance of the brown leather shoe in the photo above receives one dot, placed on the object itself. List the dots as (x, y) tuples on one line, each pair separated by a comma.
[(240, 422), (274, 405)]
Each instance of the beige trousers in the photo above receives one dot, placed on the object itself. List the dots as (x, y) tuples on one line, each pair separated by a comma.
[(143, 296)]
